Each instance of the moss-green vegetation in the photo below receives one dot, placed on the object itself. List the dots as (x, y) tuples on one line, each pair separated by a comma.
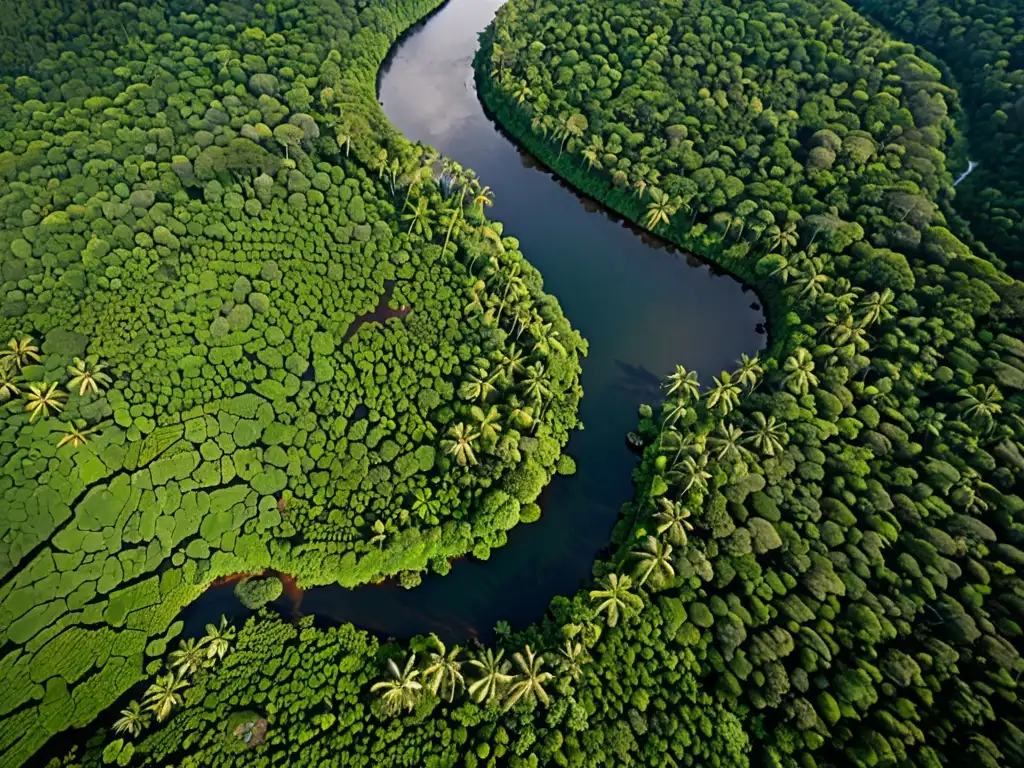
[(981, 44), (821, 564), (249, 330)]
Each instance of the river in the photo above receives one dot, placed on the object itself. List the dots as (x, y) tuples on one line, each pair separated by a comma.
[(642, 308)]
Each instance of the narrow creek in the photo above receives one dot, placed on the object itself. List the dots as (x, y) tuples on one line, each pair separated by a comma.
[(642, 307)]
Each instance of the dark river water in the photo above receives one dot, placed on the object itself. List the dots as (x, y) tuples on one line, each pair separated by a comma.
[(642, 308)]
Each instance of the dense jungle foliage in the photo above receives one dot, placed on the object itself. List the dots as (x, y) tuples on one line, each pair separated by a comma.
[(821, 564), (250, 327), (852, 590), (982, 43)]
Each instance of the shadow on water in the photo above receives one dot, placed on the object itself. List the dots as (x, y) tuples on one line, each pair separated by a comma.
[(642, 305)]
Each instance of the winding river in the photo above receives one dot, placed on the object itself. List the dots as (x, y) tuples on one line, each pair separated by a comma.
[(643, 309)]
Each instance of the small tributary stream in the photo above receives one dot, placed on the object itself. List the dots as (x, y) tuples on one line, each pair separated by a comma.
[(642, 308)]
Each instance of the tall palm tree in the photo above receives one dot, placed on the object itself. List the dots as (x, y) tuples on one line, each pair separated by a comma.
[(661, 208), (844, 295), (782, 239), (530, 680), (614, 597), (511, 362), (460, 444), (18, 354), (519, 415), (402, 690), (420, 219), (799, 368), (673, 410), (689, 474), (572, 127), (479, 383), (876, 307), (443, 672), (684, 382), (981, 403), (749, 372), (725, 395), (728, 440), (488, 423), (573, 658), (43, 398), (593, 152), (219, 639), (8, 383), (768, 436), (535, 384), (483, 196), (132, 720), (343, 135), (87, 378), (546, 340), (654, 558), (164, 695), (76, 434), (843, 330), (493, 676), (811, 283), (673, 518), (451, 218), (641, 180), (189, 657)]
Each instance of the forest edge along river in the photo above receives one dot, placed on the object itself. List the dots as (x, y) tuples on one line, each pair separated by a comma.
[(643, 309)]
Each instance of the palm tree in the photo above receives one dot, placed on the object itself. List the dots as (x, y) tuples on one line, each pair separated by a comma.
[(8, 383), (799, 368), (87, 379), (660, 209), (381, 163), (530, 681), (132, 720), (689, 474), (546, 341), (684, 382), (519, 415), (783, 239), (673, 518), (420, 219), (728, 439), (451, 215), (402, 691), (875, 307), (843, 330), (164, 695), (535, 383), (479, 383), (725, 395), (673, 410), (767, 436), (654, 558), (749, 372), (219, 639), (343, 134), (593, 152), (487, 423), (812, 283), (572, 127), (483, 196), (640, 179), (511, 362), (443, 670), (844, 295), (189, 657), (614, 597), (76, 435), (460, 444), (43, 398), (18, 354), (573, 658), (493, 671), (981, 403)]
